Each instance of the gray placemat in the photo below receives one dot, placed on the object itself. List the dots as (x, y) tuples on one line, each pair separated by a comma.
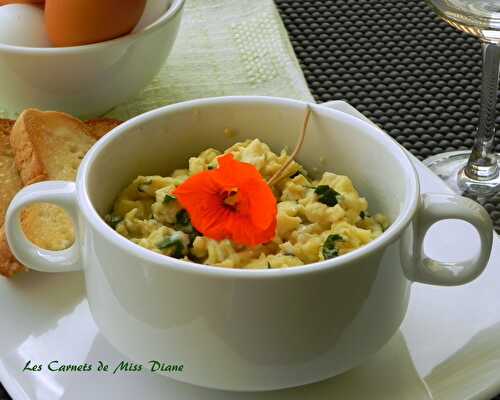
[(397, 63)]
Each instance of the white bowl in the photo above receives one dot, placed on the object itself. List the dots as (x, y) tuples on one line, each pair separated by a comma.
[(239, 329), (86, 80)]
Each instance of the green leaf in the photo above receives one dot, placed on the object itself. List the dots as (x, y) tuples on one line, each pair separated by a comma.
[(182, 218), (166, 243), (329, 249), (183, 223), (178, 251), (168, 199), (113, 220), (327, 195)]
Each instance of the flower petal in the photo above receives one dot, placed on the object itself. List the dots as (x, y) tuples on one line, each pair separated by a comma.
[(262, 205), (233, 173), (251, 222), (200, 196)]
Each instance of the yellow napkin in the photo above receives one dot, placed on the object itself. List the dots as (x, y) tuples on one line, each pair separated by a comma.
[(224, 47)]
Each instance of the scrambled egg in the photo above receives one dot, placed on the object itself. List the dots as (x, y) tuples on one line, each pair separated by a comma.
[(316, 220)]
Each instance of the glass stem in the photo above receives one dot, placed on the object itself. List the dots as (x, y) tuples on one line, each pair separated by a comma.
[(483, 163)]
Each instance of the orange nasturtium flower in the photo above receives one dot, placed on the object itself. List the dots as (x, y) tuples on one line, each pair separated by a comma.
[(230, 202)]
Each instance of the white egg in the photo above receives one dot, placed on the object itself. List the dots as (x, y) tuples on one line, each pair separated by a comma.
[(23, 25), (154, 10)]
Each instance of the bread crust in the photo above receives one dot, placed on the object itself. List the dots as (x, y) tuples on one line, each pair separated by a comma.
[(10, 183), (8, 263), (27, 160), (101, 126), (31, 147), (27, 140)]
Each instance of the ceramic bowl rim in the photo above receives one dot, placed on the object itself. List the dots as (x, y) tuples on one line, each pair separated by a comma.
[(97, 223)]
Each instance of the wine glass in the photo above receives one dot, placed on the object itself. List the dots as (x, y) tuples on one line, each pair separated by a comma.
[(475, 173)]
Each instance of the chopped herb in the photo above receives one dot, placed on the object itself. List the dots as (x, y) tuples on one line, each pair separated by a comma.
[(183, 223), (268, 265), (175, 243), (140, 187), (168, 199), (329, 249), (113, 220), (327, 195), (182, 218), (364, 215), (166, 243), (304, 174)]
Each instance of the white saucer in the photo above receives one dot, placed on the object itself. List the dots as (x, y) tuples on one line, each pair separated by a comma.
[(447, 348)]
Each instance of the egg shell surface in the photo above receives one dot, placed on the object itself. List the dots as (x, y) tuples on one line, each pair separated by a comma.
[(23, 25), (80, 22)]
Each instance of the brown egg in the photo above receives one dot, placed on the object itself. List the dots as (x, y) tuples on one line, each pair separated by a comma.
[(4, 2), (77, 22)]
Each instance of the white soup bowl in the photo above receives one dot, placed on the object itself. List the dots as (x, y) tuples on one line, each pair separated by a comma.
[(250, 329)]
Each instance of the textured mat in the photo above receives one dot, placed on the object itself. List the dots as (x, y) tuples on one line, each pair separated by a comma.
[(396, 62)]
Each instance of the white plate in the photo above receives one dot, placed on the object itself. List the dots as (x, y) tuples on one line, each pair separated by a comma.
[(447, 348)]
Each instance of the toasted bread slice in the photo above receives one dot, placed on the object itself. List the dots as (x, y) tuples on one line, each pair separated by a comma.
[(99, 127), (10, 181), (49, 146), (6, 126), (8, 263), (10, 184)]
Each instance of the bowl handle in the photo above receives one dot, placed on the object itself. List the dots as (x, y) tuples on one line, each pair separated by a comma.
[(419, 267), (59, 193)]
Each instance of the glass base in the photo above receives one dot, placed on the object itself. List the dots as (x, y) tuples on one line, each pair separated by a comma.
[(450, 168)]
